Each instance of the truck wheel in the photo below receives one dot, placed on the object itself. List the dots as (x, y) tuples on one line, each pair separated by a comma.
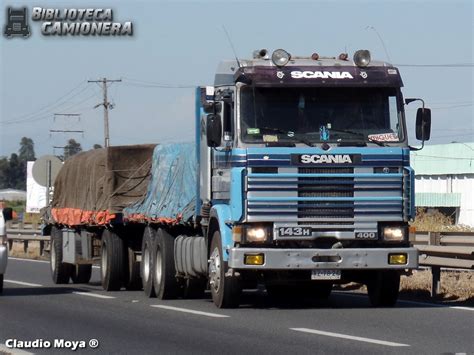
[(112, 261), (225, 289), (146, 265), (165, 281), (132, 279), (60, 272), (194, 288), (81, 273), (383, 288)]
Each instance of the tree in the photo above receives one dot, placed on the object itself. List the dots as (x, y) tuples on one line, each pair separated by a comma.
[(97, 146), (27, 149), (72, 147)]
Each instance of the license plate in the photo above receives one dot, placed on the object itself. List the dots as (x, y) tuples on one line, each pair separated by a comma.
[(294, 231), (325, 274)]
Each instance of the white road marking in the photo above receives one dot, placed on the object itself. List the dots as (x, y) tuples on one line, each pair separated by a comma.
[(42, 261), (350, 337), (8, 350), (90, 294), (464, 308), (23, 283), (185, 310)]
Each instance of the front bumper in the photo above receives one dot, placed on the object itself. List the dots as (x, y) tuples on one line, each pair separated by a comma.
[(309, 259), (3, 258)]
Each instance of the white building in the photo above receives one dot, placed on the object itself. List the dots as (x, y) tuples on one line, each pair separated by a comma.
[(444, 179)]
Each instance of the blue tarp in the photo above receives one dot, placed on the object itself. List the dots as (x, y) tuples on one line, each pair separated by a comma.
[(171, 192)]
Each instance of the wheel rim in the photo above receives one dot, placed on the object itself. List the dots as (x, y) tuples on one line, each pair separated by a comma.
[(146, 263), (158, 268), (215, 270), (103, 261), (53, 258)]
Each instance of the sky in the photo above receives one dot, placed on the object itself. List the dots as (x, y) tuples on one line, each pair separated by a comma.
[(180, 43)]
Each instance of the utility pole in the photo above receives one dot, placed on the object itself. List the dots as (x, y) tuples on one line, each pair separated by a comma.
[(106, 105)]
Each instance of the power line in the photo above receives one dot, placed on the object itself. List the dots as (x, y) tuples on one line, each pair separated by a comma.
[(144, 83), (449, 65)]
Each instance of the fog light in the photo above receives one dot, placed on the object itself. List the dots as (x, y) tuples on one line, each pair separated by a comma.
[(393, 234), (397, 259), (254, 259), (256, 235)]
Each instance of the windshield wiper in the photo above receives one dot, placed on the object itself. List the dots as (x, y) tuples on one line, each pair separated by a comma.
[(286, 133)]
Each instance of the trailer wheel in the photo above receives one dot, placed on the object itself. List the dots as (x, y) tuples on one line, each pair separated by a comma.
[(146, 265), (132, 279), (112, 261), (165, 281), (225, 289), (383, 288), (81, 273), (194, 288), (60, 272)]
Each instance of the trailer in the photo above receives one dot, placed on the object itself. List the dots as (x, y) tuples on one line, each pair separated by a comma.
[(299, 178)]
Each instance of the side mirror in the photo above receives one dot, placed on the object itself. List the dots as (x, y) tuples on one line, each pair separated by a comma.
[(7, 214), (214, 130), (423, 124)]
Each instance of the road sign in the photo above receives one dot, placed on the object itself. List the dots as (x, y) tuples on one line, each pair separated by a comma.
[(45, 170)]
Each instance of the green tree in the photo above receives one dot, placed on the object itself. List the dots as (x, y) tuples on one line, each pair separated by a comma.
[(72, 147), (97, 146), (3, 173), (27, 149)]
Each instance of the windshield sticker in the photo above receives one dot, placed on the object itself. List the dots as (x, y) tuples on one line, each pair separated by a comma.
[(323, 133), (270, 138), (252, 131), (384, 137)]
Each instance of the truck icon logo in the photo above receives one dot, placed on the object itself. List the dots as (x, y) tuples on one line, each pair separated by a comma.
[(280, 74), (17, 23)]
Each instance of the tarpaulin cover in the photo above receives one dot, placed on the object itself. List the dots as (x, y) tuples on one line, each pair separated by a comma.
[(93, 186), (171, 193)]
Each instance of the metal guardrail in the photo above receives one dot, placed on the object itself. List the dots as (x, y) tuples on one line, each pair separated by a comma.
[(436, 249)]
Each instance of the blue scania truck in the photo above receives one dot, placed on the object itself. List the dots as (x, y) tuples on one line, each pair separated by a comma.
[(299, 178)]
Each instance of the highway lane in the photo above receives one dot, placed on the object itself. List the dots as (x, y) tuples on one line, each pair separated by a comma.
[(32, 307)]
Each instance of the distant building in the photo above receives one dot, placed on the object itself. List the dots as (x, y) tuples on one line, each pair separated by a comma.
[(12, 195), (444, 179)]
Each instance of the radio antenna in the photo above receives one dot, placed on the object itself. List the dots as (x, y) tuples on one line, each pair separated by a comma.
[(232, 45), (381, 40)]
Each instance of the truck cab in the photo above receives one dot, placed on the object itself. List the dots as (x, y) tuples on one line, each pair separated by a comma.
[(304, 175)]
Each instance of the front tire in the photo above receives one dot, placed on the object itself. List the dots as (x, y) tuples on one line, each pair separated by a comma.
[(60, 272), (112, 261), (383, 288), (165, 281), (225, 289)]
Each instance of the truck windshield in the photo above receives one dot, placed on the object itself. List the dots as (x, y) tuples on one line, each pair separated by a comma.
[(320, 115)]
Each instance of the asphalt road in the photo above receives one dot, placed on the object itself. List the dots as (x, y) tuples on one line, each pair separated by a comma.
[(126, 322)]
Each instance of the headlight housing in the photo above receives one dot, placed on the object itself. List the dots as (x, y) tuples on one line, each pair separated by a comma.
[(394, 233), (252, 234)]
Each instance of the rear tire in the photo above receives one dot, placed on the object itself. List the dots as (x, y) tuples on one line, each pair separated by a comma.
[(81, 273), (146, 265), (165, 282), (112, 261), (194, 288), (225, 289), (132, 279), (60, 272), (383, 288)]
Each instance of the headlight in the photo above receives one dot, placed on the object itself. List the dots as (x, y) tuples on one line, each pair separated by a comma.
[(393, 234), (280, 57), (362, 58), (256, 235)]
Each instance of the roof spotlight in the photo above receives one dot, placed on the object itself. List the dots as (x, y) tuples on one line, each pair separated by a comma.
[(260, 54), (315, 56), (280, 57), (343, 56), (362, 58)]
